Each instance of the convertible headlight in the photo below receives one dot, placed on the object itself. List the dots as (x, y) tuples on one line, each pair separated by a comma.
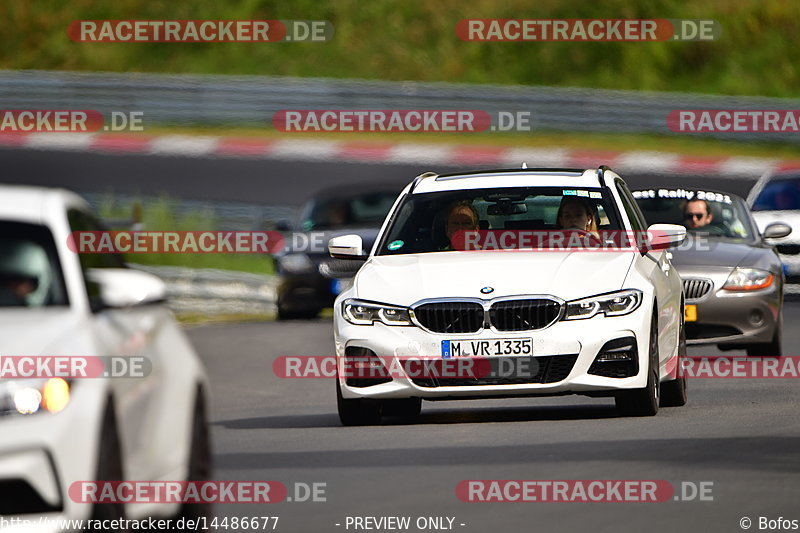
[(296, 263), (27, 397), (748, 279), (612, 304), (364, 313)]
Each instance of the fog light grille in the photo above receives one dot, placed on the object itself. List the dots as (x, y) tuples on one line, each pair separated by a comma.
[(617, 359)]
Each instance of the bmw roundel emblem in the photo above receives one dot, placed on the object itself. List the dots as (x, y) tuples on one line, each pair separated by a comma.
[(487, 290)]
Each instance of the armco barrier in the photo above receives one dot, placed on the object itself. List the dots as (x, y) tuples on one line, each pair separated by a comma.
[(252, 100)]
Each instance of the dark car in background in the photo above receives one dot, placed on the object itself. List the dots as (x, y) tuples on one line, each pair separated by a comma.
[(309, 278), (732, 276)]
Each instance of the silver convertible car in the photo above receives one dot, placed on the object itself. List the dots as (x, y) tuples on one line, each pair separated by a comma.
[(732, 276)]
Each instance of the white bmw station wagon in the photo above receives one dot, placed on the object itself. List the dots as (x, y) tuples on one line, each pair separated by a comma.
[(506, 283)]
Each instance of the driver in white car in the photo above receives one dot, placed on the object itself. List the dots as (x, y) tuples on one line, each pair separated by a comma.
[(574, 213)]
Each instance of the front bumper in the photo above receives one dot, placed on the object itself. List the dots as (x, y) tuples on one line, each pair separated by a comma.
[(585, 338), (43, 454), (734, 318)]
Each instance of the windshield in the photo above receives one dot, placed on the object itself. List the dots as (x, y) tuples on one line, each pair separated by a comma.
[(368, 209), (30, 274), (778, 195), (431, 222), (710, 213)]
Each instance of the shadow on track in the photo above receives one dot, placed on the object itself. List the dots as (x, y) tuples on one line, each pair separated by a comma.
[(776, 454), (439, 416)]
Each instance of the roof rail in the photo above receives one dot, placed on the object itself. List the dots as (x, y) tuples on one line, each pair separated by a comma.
[(601, 174), (420, 178), (541, 170)]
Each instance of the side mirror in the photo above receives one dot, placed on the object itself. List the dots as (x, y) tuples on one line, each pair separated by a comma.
[(662, 236), (347, 247), (121, 287), (777, 230)]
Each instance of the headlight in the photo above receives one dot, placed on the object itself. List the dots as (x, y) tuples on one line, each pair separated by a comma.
[(748, 279), (27, 397), (612, 304), (296, 263), (364, 313)]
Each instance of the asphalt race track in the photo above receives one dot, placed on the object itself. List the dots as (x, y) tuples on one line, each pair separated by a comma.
[(264, 181), (743, 435)]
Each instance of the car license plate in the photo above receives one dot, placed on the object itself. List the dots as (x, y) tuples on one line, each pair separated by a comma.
[(690, 313), (487, 347)]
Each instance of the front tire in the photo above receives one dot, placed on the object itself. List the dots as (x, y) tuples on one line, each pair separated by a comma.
[(673, 393), (199, 459), (357, 411), (109, 465), (407, 408), (644, 402), (287, 313)]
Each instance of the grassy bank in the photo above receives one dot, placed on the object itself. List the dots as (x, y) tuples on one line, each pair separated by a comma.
[(416, 40), (161, 215)]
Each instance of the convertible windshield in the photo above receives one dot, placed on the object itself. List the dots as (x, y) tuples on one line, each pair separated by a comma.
[(432, 222), (368, 209), (710, 213)]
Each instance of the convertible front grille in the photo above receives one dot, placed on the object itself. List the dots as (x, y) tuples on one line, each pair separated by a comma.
[(503, 315), (450, 317), (694, 289)]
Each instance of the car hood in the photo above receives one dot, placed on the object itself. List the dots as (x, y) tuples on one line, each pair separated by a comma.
[(406, 279), (717, 253), (38, 331)]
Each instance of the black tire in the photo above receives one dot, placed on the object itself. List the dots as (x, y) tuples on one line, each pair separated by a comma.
[(773, 348), (357, 411), (408, 408), (199, 459), (644, 402), (285, 313), (109, 465), (673, 393)]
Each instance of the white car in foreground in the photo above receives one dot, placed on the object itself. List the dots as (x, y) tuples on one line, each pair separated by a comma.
[(539, 320), (149, 424)]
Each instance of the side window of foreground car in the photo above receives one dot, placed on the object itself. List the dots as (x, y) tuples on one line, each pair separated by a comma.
[(638, 222)]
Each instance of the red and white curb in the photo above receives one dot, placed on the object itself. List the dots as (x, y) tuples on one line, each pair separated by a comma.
[(749, 168)]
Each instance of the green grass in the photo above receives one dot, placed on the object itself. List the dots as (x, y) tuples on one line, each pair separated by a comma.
[(416, 40), (160, 215)]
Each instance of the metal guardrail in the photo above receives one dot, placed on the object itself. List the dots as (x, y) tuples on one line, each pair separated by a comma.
[(215, 292), (252, 100), (229, 216)]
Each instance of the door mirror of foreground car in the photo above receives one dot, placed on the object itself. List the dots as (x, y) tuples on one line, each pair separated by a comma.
[(662, 236), (347, 247), (777, 230), (122, 287)]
